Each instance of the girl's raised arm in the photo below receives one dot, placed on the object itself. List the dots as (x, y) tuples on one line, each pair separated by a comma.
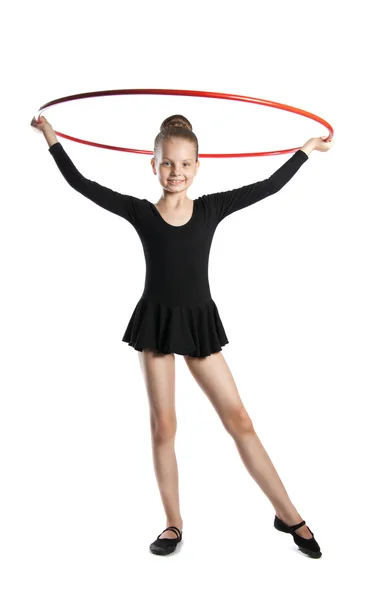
[(121, 204), (225, 203)]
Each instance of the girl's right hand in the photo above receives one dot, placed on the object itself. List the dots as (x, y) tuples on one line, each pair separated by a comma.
[(41, 124)]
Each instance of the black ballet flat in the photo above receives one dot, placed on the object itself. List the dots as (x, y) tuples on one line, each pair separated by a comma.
[(308, 546), (166, 545)]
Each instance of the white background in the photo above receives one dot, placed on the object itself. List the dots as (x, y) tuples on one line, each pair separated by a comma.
[(309, 335)]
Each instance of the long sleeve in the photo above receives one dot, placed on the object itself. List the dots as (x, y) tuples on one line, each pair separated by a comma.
[(225, 203), (121, 204)]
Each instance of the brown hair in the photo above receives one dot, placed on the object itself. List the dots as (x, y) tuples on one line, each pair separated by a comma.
[(176, 126)]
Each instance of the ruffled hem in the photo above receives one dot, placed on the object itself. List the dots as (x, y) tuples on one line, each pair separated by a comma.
[(187, 330)]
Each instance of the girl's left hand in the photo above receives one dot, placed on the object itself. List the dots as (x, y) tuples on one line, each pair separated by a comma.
[(321, 145)]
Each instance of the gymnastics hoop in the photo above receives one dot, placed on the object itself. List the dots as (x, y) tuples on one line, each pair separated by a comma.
[(160, 92)]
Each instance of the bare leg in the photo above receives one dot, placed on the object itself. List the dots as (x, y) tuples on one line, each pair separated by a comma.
[(261, 468), (159, 375), (215, 379)]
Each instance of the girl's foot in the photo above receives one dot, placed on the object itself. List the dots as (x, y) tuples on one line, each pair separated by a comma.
[(169, 533), (163, 545), (302, 531)]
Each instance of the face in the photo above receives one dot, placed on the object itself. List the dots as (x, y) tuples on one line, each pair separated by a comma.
[(175, 160)]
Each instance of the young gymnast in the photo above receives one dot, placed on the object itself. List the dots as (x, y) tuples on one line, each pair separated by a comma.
[(177, 315)]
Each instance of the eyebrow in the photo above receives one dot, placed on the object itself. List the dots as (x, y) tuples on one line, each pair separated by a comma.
[(178, 161)]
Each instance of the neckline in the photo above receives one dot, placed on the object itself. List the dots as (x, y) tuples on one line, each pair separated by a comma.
[(170, 224)]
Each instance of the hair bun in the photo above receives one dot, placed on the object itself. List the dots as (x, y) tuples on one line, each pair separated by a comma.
[(176, 121), (178, 124)]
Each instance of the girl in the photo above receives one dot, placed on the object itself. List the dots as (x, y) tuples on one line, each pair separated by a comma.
[(177, 315)]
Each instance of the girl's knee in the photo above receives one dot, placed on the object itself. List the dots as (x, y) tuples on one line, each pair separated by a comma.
[(163, 428), (238, 421)]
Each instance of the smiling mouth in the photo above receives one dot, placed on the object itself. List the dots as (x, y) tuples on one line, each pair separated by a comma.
[(175, 181)]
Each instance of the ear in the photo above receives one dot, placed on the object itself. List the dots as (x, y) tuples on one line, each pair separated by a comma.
[(153, 163)]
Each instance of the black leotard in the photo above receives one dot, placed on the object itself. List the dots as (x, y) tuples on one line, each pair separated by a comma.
[(176, 312)]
